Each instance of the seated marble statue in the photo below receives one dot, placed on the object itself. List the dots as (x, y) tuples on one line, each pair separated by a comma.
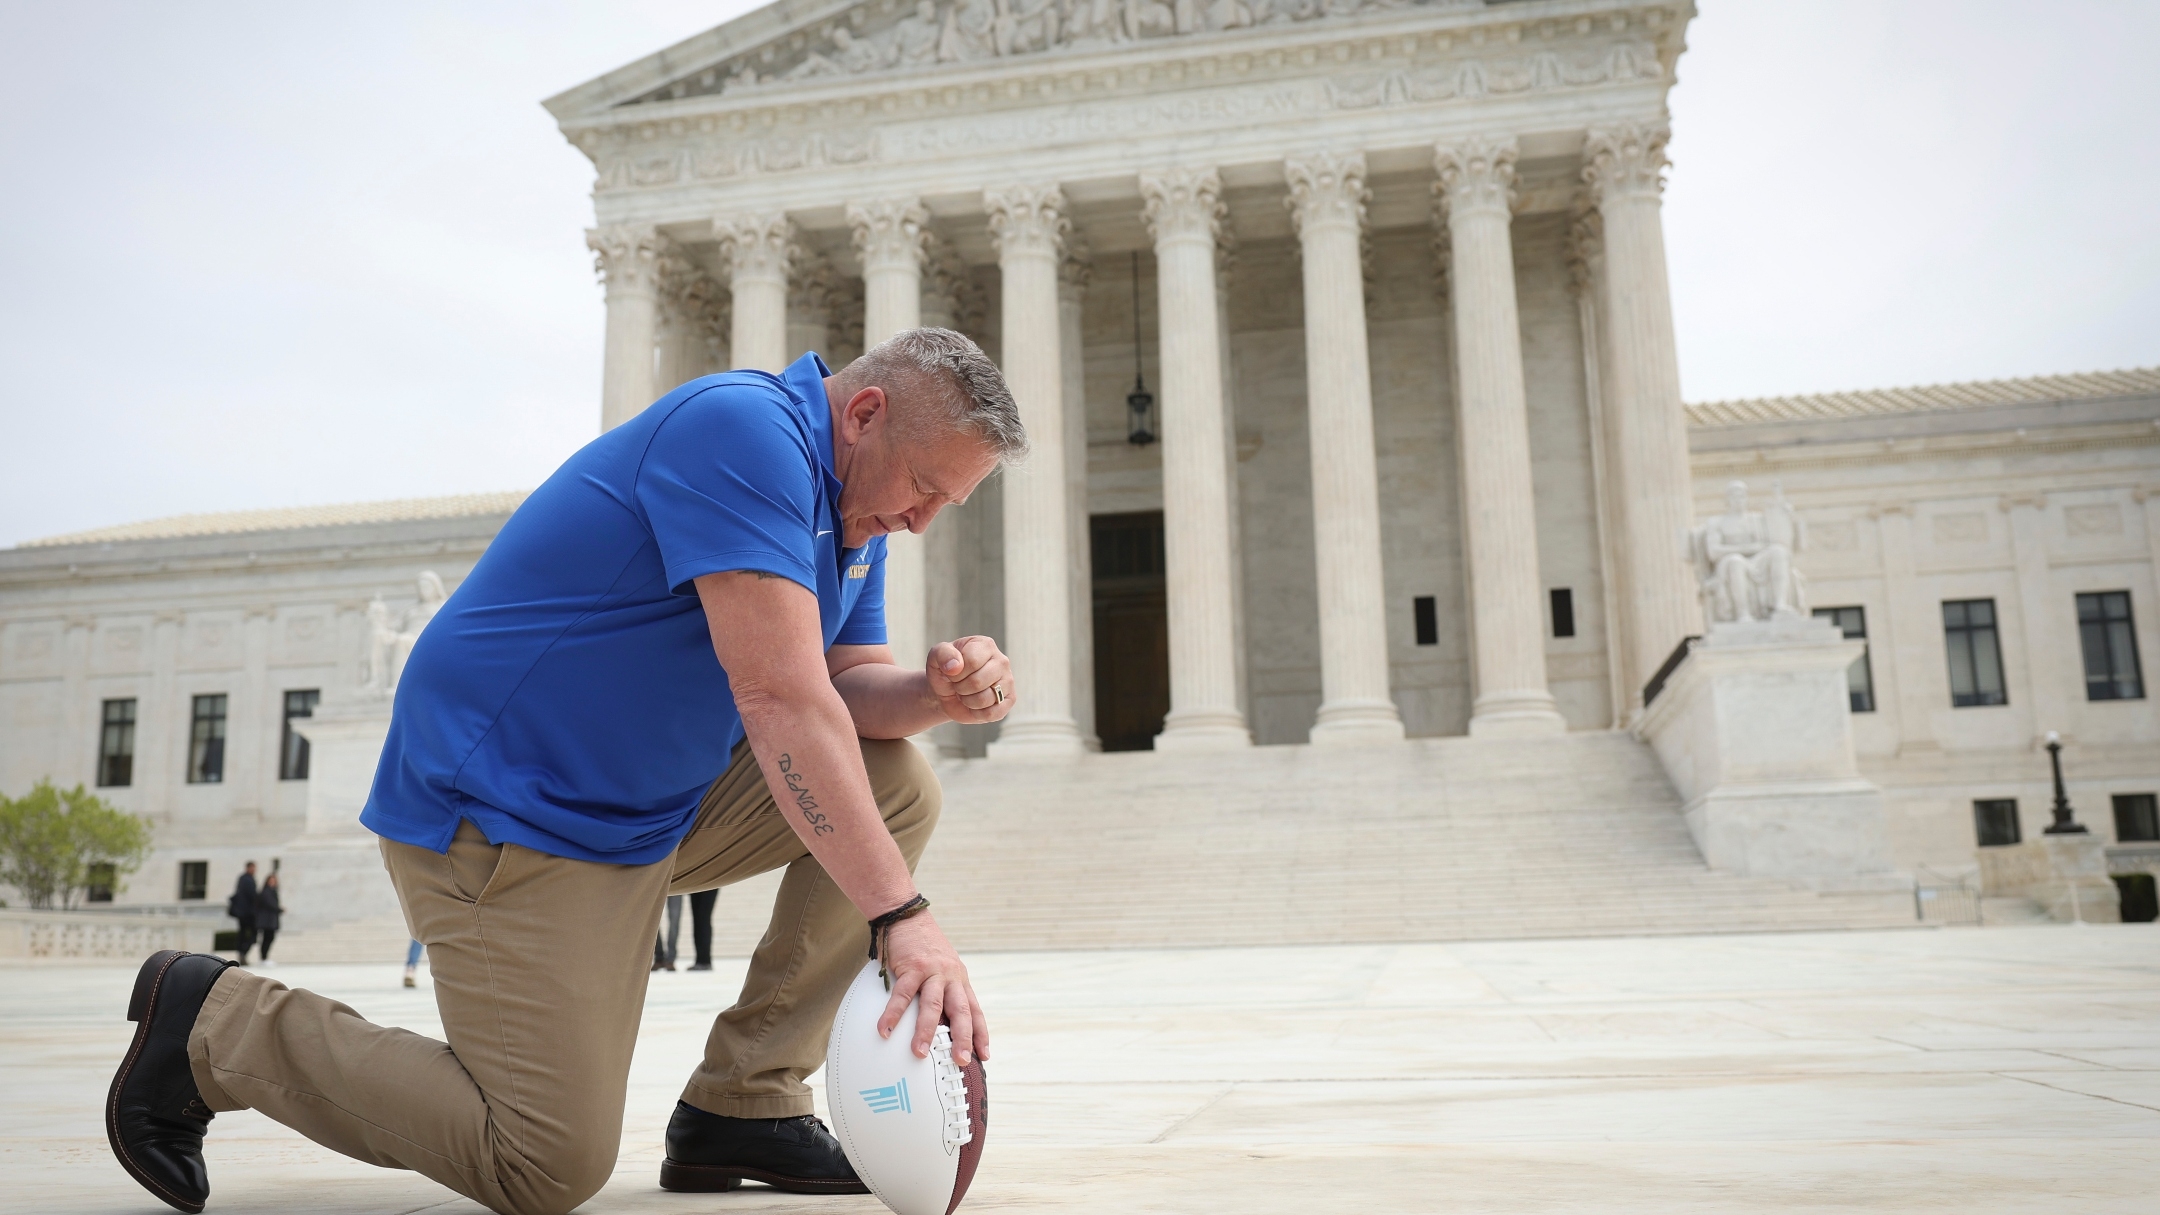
[(1744, 561)]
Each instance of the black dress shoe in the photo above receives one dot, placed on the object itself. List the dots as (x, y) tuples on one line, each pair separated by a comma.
[(154, 1116), (708, 1153)]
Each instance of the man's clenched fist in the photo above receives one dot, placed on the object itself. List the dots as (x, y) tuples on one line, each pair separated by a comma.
[(972, 680)]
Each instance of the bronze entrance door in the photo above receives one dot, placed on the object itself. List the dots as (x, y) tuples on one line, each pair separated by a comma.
[(1132, 630)]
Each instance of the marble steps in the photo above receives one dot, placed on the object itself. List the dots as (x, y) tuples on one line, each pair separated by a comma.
[(1442, 839)]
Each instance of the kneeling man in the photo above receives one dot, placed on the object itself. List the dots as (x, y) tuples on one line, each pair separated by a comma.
[(549, 780)]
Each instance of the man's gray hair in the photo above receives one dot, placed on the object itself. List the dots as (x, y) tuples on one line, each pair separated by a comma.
[(940, 372)]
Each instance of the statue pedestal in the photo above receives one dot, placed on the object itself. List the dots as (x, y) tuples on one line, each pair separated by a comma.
[(1755, 730), (339, 904), (2067, 875)]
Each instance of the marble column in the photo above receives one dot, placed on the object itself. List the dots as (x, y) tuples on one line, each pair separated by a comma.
[(627, 257), (759, 251), (1327, 199), (2148, 497), (2048, 625), (1225, 271), (889, 238), (1028, 227), (1586, 257), (691, 306), (1493, 432), (949, 547), (79, 743), (1908, 638), (1624, 168), (1073, 273), (256, 713), (811, 295), (163, 720), (1184, 213)]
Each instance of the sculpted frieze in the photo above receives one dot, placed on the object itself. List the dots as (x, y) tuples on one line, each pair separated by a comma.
[(1469, 79), (1107, 121), (925, 125), (894, 35), (732, 156)]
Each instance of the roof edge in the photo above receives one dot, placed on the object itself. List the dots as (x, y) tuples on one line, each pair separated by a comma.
[(1929, 398), (340, 514)]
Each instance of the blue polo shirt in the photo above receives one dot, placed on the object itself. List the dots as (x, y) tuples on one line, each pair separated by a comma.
[(566, 697)]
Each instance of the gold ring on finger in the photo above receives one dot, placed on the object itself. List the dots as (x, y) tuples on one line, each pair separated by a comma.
[(998, 691)]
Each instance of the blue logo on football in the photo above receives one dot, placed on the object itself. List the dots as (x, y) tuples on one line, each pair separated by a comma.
[(892, 1098)]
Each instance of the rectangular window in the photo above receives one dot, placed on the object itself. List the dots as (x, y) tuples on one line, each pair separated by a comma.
[(1995, 821), (1563, 612), (194, 879), (1860, 676), (2137, 818), (116, 745), (2111, 660), (99, 882), (1427, 615), (1976, 674), (293, 747), (206, 741)]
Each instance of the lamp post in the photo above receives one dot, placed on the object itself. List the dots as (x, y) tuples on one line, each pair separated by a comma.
[(2065, 823)]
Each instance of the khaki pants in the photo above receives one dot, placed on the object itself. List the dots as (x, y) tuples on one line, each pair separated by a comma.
[(539, 966)]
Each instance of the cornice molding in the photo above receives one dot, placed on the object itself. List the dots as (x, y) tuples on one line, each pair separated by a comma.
[(1875, 455)]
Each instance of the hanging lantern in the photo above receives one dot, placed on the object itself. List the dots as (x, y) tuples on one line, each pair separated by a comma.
[(1139, 403)]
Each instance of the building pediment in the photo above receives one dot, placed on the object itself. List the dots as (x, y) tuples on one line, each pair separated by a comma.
[(797, 89), (790, 44), (915, 36)]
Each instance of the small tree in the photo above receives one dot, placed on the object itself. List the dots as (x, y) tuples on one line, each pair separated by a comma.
[(50, 838)]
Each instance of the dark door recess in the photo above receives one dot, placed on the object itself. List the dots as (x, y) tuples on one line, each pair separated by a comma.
[(1132, 630)]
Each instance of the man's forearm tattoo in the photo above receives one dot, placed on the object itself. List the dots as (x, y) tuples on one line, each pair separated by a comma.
[(800, 791)]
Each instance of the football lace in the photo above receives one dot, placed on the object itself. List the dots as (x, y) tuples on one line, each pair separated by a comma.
[(952, 1092)]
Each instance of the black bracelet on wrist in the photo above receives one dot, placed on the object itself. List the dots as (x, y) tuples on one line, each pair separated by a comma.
[(881, 928), (883, 924)]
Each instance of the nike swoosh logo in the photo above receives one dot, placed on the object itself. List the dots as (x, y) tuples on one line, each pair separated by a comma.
[(826, 532)]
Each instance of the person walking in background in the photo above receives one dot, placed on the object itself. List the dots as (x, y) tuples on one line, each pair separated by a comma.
[(241, 907), (663, 949), (701, 905), (268, 907), (412, 963)]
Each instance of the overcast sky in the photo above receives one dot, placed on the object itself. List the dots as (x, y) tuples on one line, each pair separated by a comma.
[(266, 254)]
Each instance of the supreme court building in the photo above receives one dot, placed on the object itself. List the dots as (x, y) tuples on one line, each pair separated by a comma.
[(1342, 332), (1393, 273)]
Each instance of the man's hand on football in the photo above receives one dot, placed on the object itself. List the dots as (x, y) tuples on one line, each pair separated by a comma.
[(921, 961), (972, 680)]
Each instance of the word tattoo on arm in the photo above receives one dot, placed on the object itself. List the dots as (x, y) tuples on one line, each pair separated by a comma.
[(800, 791)]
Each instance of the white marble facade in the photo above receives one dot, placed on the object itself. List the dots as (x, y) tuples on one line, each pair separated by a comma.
[(249, 606), (1364, 230), (1391, 259)]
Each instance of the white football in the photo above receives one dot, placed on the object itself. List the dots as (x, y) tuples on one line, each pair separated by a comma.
[(913, 1128)]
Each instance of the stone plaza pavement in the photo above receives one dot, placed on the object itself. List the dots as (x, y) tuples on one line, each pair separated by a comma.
[(1970, 1070)]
